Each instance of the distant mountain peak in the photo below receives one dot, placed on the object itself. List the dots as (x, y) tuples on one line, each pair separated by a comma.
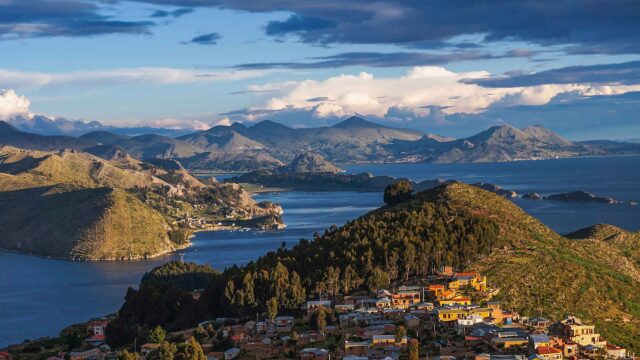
[(356, 122), (6, 127)]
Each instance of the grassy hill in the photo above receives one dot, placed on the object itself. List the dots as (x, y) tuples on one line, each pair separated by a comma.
[(81, 223)]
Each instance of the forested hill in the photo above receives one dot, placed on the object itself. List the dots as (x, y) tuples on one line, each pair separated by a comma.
[(537, 271)]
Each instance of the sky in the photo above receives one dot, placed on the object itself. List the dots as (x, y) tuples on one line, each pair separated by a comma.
[(449, 67)]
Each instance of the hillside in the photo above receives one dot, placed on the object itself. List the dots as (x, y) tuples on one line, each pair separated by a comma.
[(72, 204), (536, 271), (96, 224)]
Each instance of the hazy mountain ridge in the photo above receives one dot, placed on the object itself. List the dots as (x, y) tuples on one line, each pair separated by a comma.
[(267, 145)]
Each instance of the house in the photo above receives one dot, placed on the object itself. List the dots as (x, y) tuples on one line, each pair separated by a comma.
[(411, 321), (435, 290), (456, 300), (549, 353), (356, 348), (616, 351), (231, 353), (538, 340), (468, 279), (314, 354), (404, 298), (387, 340), (149, 347), (463, 325), (572, 329), (284, 323), (315, 304), (97, 330), (84, 355)]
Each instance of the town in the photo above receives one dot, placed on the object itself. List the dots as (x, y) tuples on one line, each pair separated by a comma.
[(448, 316)]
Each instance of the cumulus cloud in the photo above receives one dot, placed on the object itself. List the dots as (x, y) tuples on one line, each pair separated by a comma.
[(429, 93), (147, 75), (11, 104)]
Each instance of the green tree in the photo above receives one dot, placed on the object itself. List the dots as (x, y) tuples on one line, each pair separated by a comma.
[(321, 318), (126, 355), (398, 192), (378, 279), (200, 333), (272, 308), (414, 350), (193, 350), (157, 335), (167, 351), (401, 332), (248, 289)]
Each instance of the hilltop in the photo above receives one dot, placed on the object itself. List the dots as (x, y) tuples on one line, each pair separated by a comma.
[(535, 271), (74, 204)]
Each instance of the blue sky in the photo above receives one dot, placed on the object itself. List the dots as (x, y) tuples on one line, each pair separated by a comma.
[(438, 66)]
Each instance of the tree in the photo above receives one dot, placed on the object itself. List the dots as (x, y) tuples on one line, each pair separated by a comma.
[(126, 355), (350, 280), (157, 335), (272, 308), (332, 281), (167, 351), (401, 332), (414, 350), (321, 319), (193, 350), (398, 192), (378, 279)]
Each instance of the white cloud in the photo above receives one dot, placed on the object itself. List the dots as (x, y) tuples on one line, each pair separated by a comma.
[(11, 104), (147, 75), (413, 92)]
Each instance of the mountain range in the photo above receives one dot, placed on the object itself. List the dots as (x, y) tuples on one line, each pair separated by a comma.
[(268, 145)]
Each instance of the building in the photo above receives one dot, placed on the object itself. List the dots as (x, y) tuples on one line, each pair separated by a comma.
[(314, 354), (616, 351), (356, 348), (284, 323), (549, 353), (84, 355), (231, 353), (456, 300), (572, 329), (405, 298), (387, 340)]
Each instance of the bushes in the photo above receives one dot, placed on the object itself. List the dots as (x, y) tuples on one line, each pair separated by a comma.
[(398, 192)]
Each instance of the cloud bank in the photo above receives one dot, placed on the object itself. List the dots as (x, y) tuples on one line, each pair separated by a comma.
[(145, 75), (416, 94)]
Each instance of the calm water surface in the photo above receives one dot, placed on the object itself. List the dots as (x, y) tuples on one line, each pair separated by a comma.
[(38, 297)]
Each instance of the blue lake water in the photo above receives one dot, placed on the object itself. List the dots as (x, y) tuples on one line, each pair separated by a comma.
[(38, 296)]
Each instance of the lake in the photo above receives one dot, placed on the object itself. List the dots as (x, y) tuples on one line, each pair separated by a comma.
[(38, 297)]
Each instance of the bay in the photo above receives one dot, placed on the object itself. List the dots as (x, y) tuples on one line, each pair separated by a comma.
[(38, 296)]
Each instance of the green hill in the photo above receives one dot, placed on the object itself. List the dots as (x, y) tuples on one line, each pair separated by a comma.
[(537, 272)]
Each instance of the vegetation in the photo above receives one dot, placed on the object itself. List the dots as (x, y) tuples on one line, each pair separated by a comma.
[(398, 192), (315, 181), (454, 224)]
